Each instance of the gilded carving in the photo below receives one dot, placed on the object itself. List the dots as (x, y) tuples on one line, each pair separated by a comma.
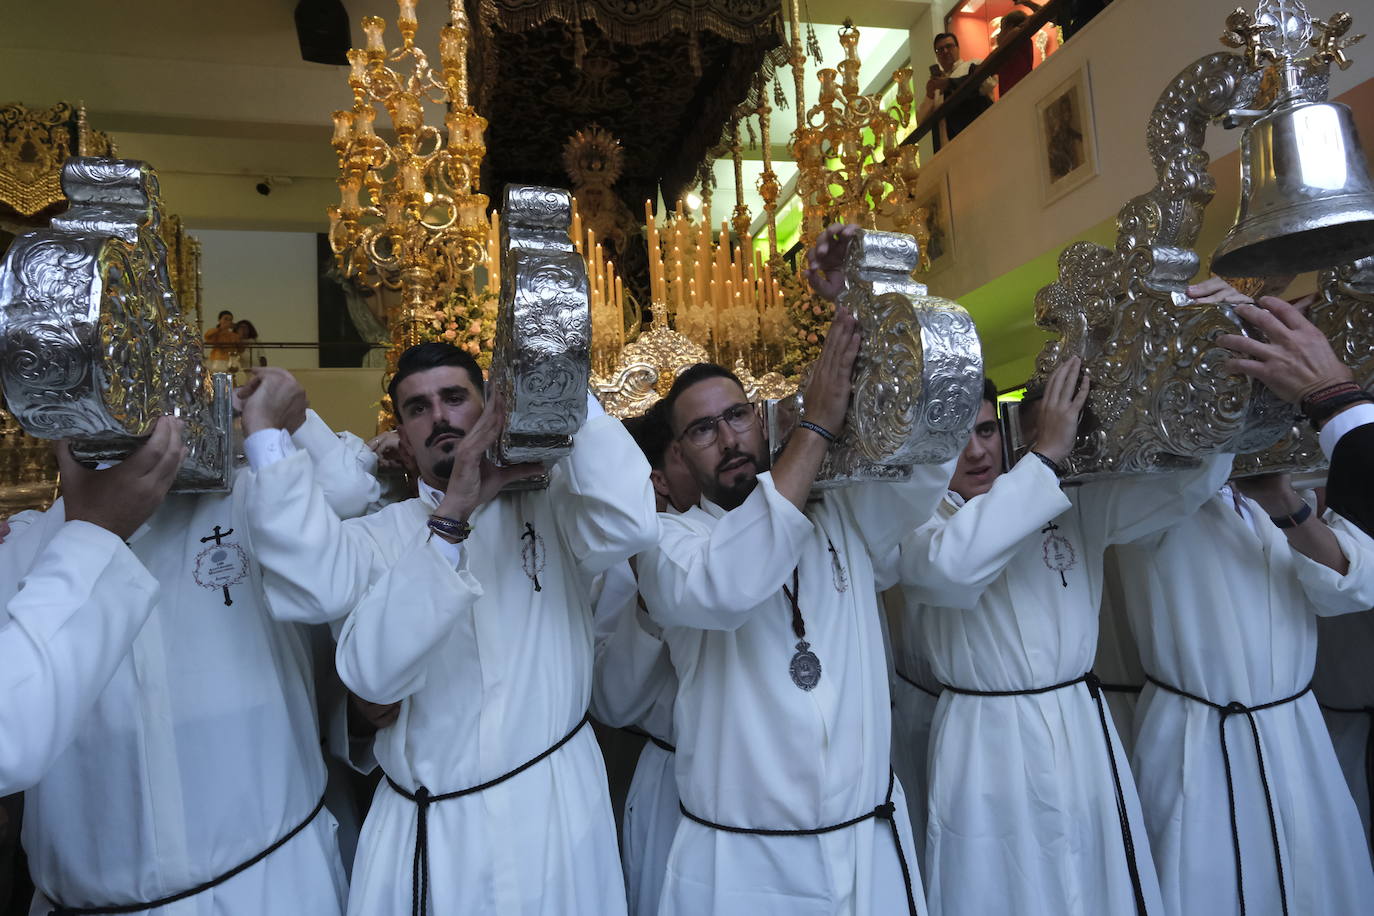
[(34, 142), (93, 343)]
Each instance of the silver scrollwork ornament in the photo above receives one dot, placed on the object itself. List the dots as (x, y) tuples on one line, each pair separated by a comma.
[(541, 363), (93, 343), (1160, 396), (918, 379)]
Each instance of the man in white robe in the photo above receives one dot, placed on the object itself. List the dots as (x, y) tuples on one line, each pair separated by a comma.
[(915, 688), (782, 714), (198, 774), (70, 624), (635, 685), (1245, 801), (1032, 807), (494, 799)]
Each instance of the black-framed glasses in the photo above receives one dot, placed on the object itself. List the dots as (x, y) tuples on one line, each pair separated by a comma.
[(704, 432)]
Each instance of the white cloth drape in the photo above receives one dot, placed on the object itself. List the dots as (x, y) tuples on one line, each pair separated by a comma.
[(1226, 610)]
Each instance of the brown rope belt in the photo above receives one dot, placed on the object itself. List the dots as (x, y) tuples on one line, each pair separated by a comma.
[(1095, 689), (886, 811), (921, 687), (61, 910), (650, 737), (1232, 709), (419, 876)]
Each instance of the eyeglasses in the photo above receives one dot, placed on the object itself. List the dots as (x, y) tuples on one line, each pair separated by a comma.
[(704, 432)]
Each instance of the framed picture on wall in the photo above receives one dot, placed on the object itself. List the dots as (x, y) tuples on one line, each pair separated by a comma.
[(1067, 136), (932, 202)]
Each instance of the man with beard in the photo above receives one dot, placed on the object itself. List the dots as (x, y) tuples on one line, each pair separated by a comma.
[(635, 685), (470, 606), (769, 608)]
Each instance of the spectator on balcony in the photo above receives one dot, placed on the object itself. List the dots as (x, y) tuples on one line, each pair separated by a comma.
[(945, 78), (1020, 59), (223, 341)]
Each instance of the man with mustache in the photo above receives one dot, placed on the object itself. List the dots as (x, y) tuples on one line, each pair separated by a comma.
[(768, 605), (471, 608)]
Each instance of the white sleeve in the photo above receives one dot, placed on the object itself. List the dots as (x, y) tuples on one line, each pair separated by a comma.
[(1131, 508), (632, 668), (315, 567), (949, 562), (1330, 592), (346, 467), (267, 446), (712, 580), (388, 641), (79, 607), (1342, 423), (603, 498), (883, 513)]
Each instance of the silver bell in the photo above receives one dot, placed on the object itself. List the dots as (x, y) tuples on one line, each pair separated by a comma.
[(1306, 201)]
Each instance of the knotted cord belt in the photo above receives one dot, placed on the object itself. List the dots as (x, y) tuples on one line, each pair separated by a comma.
[(887, 811), (1095, 689), (1121, 688), (921, 687), (1228, 710), (1368, 752), (419, 874), (61, 910), (650, 737)]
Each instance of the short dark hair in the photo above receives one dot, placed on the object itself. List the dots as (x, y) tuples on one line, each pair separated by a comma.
[(225, 312), (431, 355), (1014, 19), (651, 433), (697, 372), (942, 36), (989, 391)]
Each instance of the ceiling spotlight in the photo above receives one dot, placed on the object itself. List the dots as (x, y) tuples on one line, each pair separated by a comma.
[(271, 183), (693, 200)]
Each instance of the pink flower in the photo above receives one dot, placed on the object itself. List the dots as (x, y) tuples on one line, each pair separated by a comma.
[(450, 334)]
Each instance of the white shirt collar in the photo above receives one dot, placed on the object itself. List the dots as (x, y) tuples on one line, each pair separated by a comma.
[(431, 495)]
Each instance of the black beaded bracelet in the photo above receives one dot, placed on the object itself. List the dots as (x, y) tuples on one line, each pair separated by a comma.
[(1294, 520), (450, 528), (819, 430), (1050, 463)]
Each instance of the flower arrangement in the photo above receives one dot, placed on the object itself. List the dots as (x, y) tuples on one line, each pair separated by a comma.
[(810, 318), (468, 321)]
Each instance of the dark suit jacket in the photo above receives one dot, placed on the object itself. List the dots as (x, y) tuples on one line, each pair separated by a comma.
[(1349, 488)]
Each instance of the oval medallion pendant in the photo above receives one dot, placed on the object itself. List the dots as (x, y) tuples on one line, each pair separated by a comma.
[(806, 667)]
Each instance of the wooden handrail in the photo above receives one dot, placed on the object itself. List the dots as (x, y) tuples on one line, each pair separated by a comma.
[(989, 67)]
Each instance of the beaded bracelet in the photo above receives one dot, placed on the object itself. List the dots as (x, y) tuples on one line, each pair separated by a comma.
[(1050, 463), (819, 430), (449, 528)]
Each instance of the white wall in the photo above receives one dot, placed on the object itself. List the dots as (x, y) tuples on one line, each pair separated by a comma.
[(1133, 50), (268, 278)]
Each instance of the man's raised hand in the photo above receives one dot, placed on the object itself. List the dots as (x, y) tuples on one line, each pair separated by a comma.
[(832, 378), (272, 399), (825, 260), (1296, 361), (474, 480), (121, 498), (1059, 410)]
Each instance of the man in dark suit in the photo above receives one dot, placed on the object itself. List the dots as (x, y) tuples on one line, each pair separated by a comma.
[(1298, 364)]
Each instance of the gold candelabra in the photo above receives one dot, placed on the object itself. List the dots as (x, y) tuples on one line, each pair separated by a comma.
[(409, 216), (847, 147)]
